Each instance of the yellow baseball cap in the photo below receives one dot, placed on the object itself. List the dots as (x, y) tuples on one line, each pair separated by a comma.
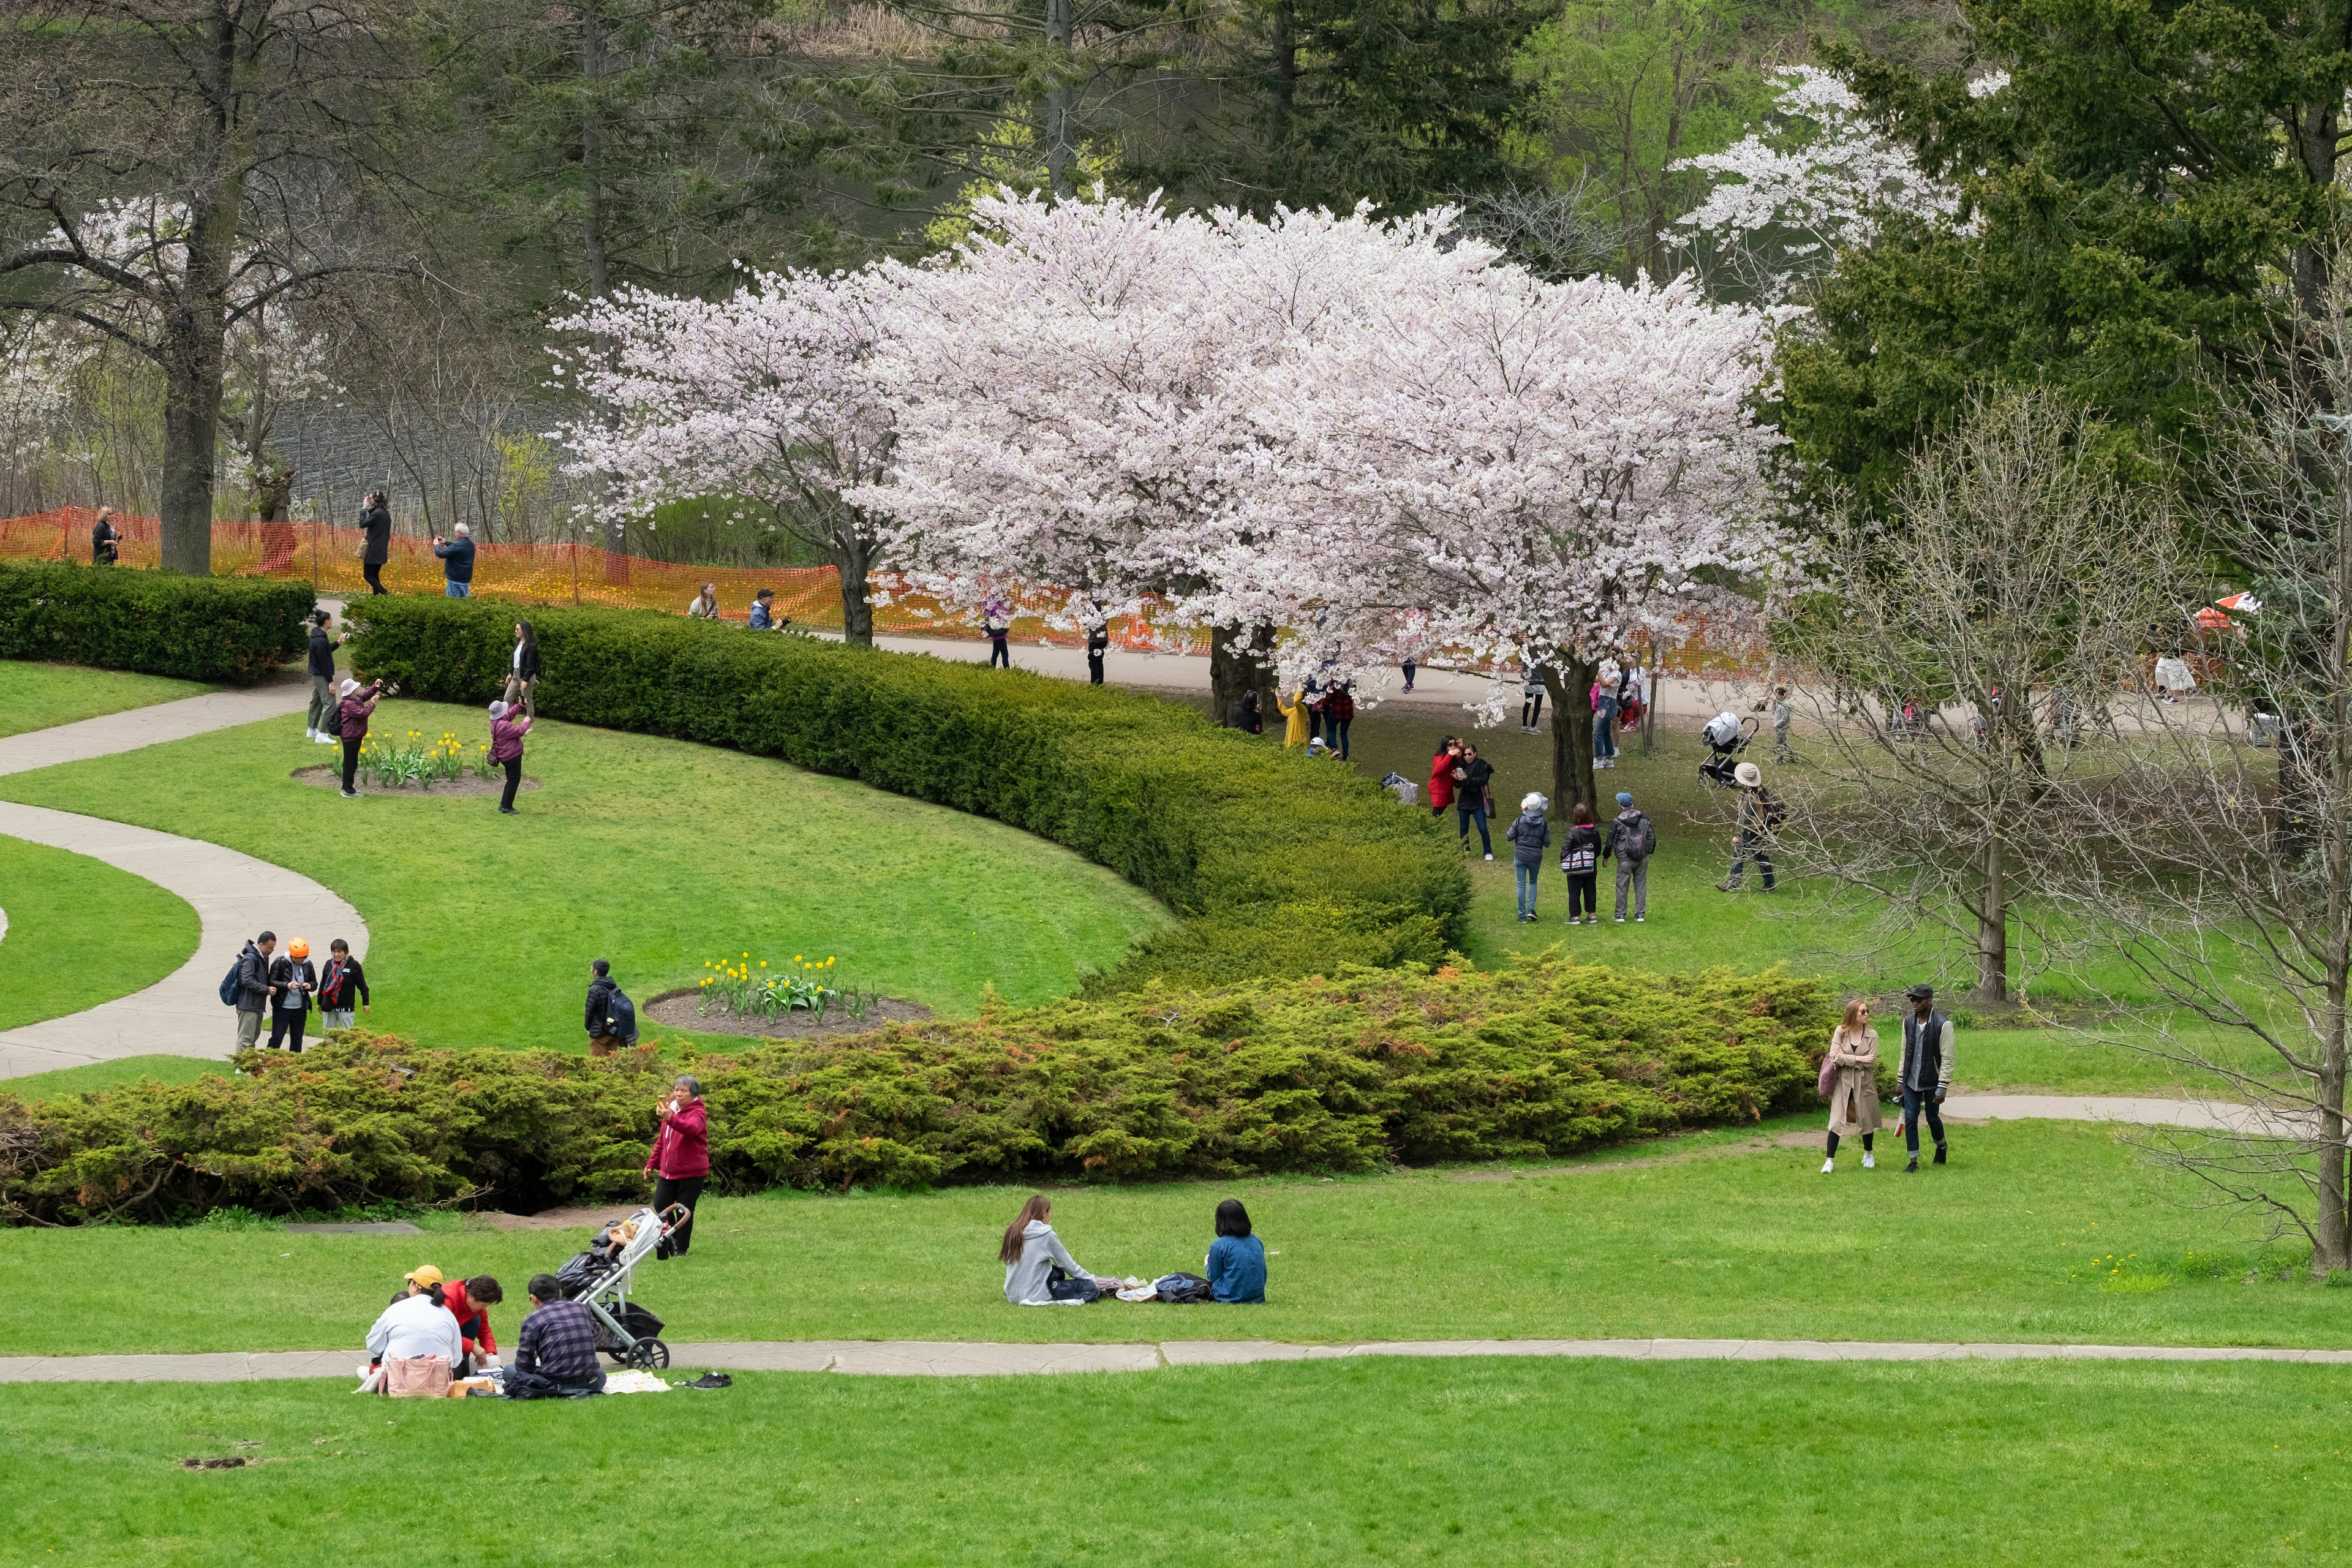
[(426, 1275)]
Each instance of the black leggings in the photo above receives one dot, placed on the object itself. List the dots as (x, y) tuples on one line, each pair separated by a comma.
[(1532, 710), (1866, 1140), (286, 1027), (999, 654), (1583, 893), (514, 782), (351, 763), (369, 570), (686, 1190)]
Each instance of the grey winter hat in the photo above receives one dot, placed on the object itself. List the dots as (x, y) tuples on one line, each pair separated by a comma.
[(1623, 798)]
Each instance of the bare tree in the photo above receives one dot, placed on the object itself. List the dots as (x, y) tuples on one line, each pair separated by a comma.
[(2217, 859), (2010, 584)]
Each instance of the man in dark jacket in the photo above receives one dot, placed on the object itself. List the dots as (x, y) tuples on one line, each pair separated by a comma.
[(601, 987), (1629, 840), (376, 523), (1098, 644), (253, 988), (555, 1354), (323, 701), (1926, 1073), (457, 563)]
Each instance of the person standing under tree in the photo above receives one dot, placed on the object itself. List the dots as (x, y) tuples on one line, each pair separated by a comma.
[(1098, 644), (506, 749), (1472, 775), (1632, 841), (1531, 698), (375, 543), (1529, 834), (1441, 775), (1926, 1073), (996, 620), (1784, 713), (1760, 815), (1605, 716), (680, 1161), (1852, 1068), (105, 539), (1580, 857), (1338, 713)]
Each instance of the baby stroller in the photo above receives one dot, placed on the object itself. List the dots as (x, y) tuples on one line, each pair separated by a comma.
[(603, 1278), (1727, 735)]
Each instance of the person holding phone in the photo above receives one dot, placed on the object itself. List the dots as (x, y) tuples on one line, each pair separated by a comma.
[(680, 1161), (352, 711)]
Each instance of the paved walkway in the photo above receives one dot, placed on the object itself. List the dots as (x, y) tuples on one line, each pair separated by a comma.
[(921, 1358), (234, 895), (2200, 1115)]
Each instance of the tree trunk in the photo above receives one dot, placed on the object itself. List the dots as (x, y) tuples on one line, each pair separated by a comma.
[(1061, 149), (853, 554), (1569, 683), (191, 400), (1238, 666), (2332, 1249), (1992, 926)]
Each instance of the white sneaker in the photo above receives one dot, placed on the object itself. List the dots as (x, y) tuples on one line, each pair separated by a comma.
[(325, 738), (1827, 1166), (1869, 1161), (1490, 857), (309, 734)]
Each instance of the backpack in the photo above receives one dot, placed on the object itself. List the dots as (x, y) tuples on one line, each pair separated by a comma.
[(1774, 810), (1642, 841), (228, 982), (1184, 1290), (620, 1015)]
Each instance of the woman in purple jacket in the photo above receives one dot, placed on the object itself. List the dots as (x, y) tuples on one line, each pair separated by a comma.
[(507, 732)]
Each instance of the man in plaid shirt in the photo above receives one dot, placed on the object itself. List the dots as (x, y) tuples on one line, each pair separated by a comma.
[(555, 1355)]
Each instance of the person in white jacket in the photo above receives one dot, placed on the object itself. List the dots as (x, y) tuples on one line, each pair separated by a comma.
[(413, 1332), (1032, 1252)]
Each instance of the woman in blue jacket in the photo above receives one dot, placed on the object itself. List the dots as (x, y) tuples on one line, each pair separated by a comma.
[(1236, 1265)]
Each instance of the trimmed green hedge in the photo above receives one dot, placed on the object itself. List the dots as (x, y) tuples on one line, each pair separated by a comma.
[(229, 630), (1369, 1067), (1282, 866)]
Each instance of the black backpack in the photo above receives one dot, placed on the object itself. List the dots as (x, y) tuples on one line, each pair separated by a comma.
[(620, 1016), (228, 982), (1184, 1290)]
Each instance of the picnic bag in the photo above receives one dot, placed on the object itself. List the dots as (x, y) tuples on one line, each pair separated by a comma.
[(1184, 1289)]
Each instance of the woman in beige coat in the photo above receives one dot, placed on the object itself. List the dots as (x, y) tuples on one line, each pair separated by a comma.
[(1854, 1083)]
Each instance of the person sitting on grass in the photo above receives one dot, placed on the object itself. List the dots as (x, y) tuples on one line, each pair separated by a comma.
[(1236, 1265), (417, 1344), (469, 1301), (1038, 1270), (555, 1354)]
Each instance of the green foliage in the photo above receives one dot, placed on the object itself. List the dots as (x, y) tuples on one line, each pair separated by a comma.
[(1298, 866), (227, 629), (1346, 1074)]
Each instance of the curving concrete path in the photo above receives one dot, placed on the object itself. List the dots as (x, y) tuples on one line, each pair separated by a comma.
[(234, 895), (919, 1358)]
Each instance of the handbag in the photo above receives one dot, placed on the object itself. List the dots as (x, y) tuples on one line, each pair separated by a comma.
[(1829, 1073)]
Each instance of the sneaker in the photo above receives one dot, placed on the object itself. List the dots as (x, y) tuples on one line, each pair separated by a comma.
[(350, 794), (1592, 919), (309, 734), (1939, 1154), (1726, 887), (1641, 920), (1913, 1168), (1490, 854), (1827, 1166), (708, 1380), (325, 738), (1869, 1161), (1621, 920), (509, 811)]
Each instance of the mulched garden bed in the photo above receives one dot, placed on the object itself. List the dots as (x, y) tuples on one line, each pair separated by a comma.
[(332, 778), (675, 1008)]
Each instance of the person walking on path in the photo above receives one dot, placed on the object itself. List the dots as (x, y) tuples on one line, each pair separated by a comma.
[(1531, 698), (522, 671), (1038, 1270), (105, 539), (1784, 713), (321, 719), (457, 563), (1760, 814), (1851, 1069), (680, 1161), (704, 606), (556, 1350), (293, 980), (1441, 775), (1472, 775), (1294, 719), (1529, 834), (1633, 839), (997, 621), (1338, 713), (1097, 644), (1604, 717), (254, 992), (1580, 857), (610, 1018), (1926, 1074), (340, 983), (506, 749), (375, 540), (351, 723)]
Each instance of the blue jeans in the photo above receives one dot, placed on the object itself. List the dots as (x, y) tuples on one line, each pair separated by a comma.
[(1915, 1100), (456, 590), (1605, 728), (1527, 877), (1466, 815)]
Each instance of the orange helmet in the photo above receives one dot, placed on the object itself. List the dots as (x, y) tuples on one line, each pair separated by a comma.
[(298, 948)]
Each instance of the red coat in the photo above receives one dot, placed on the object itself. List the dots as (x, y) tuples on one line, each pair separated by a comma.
[(1440, 781), (473, 1318), (682, 1147)]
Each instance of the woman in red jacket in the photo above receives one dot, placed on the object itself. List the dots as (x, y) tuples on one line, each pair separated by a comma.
[(1441, 775), (681, 1156)]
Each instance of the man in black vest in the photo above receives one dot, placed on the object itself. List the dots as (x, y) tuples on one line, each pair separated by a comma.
[(1926, 1071)]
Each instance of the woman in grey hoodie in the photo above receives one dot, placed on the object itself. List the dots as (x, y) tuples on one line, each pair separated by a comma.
[(1033, 1254)]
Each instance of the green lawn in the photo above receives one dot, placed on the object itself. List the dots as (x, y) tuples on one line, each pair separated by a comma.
[(2040, 1232), (657, 854), (108, 1075), (1471, 1462), (38, 696), (81, 932)]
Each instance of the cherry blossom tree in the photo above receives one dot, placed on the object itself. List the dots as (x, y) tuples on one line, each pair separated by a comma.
[(1816, 181), (767, 395)]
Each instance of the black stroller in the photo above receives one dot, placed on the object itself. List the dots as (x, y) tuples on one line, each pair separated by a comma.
[(1727, 735)]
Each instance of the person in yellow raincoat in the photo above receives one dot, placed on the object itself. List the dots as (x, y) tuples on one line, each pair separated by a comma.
[(1295, 710)]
